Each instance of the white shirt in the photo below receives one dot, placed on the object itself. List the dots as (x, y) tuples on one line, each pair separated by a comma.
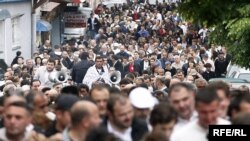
[(92, 75), (182, 122), (194, 132), (43, 76), (125, 136), (146, 65), (210, 62)]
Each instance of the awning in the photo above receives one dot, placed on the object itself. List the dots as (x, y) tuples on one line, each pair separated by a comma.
[(42, 25), (4, 14), (49, 6)]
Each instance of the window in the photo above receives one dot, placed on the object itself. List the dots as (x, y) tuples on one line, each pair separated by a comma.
[(16, 36), (245, 76), (233, 74)]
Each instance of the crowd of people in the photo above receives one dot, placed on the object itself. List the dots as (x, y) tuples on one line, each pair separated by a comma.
[(160, 92)]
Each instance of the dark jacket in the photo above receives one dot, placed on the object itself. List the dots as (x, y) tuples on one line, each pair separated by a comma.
[(220, 67), (137, 68), (80, 70), (139, 128), (67, 63), (96, 24), (119, 67), (208, 75)]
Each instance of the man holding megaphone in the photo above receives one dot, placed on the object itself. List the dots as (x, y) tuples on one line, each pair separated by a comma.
[(97, 74)]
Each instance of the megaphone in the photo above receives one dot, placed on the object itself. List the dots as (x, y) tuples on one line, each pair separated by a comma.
[(115, 77), (58, 77)]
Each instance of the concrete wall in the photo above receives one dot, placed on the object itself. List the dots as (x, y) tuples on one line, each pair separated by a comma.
[(55, 32), (7, 48)]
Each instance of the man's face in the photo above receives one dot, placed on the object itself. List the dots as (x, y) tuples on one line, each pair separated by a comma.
[(35, 85), (183, 102), (161, 72), (167, 128), (41, 103), (83, 92), (15, 120), (50, 66), (147, 81), (65, 54), (29, 63), (131, 60), (101, 97), (94, 119), (180, 76), (142, 113), (224, 103), (99, 63), (123, 114), (208, 113), (7, 76), (63, 117), (58, 88)]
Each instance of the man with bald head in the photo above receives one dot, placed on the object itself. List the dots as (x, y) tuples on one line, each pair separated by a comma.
[(84, 117)]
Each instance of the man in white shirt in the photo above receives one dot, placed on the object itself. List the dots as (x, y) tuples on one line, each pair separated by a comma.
[(43, 72), (181, 97), (97, 73), (207, 103)]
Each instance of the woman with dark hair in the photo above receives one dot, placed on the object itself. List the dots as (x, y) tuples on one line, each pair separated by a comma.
[(38, 62)]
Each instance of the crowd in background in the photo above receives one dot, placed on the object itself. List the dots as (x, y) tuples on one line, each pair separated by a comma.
[(140, 73)]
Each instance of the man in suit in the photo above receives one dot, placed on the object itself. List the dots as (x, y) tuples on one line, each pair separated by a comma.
[(120, 120), (118, 65), (93, 26), (80, 69)]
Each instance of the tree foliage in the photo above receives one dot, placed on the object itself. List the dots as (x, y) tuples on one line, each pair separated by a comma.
[(230, 20)]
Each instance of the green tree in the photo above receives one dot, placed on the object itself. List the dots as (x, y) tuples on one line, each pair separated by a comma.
[(230, 20)]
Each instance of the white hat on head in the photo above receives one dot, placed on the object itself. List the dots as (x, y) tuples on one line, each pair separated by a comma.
[(141, 98)]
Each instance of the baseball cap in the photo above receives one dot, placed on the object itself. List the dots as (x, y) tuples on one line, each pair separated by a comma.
[(66, 101), (141, 98)]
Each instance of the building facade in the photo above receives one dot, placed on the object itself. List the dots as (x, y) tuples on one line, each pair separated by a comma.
[(15, 29)]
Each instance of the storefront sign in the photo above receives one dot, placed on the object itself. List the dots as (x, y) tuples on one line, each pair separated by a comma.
[(74, 20)]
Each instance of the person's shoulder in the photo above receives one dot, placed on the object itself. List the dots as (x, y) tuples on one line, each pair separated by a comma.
[(137, 123), (222, 121)]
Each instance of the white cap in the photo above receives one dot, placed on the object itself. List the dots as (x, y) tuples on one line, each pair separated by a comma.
[(142, 98)]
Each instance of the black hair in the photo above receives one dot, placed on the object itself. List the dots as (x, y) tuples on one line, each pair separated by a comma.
[(187, 86), (206, 95), (83, 86), (70, 90), (125, 81), (100, 134), (84, 55), (162, 113)]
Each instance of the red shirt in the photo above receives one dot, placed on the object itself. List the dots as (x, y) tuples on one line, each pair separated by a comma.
[(131, 67)]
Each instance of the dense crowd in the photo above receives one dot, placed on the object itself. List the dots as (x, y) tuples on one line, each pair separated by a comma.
[(141, 73)]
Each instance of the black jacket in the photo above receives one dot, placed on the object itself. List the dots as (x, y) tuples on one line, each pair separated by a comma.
[(137, 68), (96, 24), (79, 70), (139, 128), (119, 67)]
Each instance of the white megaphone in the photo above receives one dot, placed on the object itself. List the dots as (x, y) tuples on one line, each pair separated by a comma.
[(58, 77), (115, 77)]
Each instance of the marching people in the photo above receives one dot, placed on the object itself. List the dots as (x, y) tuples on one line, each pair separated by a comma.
[(140, 73)]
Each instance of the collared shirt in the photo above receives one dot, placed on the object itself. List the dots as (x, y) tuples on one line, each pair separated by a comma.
[(183, 122), (3, 136), (125, 136), (193, 131)]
